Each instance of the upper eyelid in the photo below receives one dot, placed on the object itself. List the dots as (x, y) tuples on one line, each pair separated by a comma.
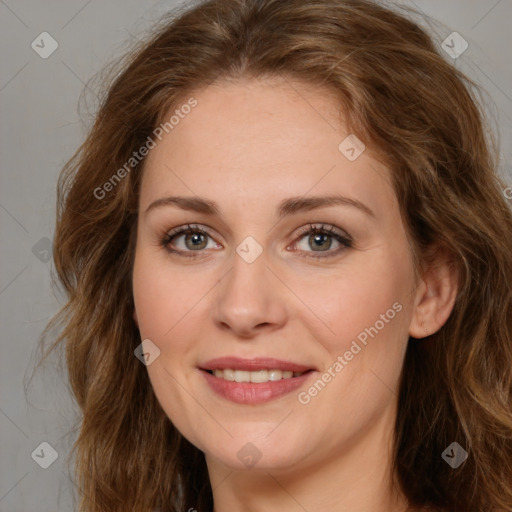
[(344, 239), (319, 226), (299, 232)]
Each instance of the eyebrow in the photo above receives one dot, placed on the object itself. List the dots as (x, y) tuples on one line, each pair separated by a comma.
[(286, 207)]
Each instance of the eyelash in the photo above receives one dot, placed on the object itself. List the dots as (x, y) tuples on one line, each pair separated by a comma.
[(345, 241)]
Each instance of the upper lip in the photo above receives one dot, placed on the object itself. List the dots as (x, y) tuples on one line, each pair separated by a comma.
[(253, 364)]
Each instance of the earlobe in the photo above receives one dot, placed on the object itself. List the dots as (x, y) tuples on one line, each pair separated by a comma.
[(435, 299), (136, 320)]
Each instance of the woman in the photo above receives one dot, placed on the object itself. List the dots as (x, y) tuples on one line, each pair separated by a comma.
[(287, 256)]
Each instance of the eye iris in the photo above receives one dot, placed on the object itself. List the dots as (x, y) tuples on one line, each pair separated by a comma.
[(317, 237), (195, 237), (196, 240)]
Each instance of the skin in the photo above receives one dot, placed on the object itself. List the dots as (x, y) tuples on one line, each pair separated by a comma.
[(247, 146)]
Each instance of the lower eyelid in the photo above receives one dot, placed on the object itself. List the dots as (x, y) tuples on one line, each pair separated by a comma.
[(344, 242), (338, 238), (168, 239)]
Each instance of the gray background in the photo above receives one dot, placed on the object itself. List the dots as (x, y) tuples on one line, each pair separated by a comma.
[(40, 130)]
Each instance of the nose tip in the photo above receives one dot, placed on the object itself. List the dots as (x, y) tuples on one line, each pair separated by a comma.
[(247, 300), (245, 330)]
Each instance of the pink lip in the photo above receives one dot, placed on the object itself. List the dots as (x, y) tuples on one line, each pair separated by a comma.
[(254, 393), (250, 392), (258, 363)]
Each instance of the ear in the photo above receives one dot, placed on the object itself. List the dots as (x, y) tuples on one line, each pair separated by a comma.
[(434, 301), (136, 320)]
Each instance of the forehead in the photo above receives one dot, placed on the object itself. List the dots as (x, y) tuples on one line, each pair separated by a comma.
[(261, 138)]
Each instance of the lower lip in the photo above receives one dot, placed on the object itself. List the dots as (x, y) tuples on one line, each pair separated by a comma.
[(251, 392)]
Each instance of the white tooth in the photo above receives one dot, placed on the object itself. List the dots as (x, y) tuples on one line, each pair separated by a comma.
[(259, 376), (229, 374), (275, 374), (242, 376)]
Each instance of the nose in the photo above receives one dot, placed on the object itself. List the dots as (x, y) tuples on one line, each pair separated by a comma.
[(250, 299)]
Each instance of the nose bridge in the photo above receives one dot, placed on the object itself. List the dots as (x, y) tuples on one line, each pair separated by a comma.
[(248, 297)]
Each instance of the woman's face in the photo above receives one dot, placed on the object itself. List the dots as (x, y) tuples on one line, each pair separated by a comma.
[(251, 286)]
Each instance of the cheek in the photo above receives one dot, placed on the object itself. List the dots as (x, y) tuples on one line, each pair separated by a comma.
[(363, 349), (170, 303), (357, 304), (371, 327), (161, 295), (166, 316), (365, 309)]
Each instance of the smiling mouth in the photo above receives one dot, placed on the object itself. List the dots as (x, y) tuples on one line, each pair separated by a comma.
[(254, 381), (259, 376)]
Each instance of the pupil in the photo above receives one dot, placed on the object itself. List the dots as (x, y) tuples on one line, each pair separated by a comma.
[(318, 238), (196, 239)]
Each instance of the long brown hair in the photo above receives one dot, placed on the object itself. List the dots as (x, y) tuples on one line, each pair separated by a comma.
[(421, 115)]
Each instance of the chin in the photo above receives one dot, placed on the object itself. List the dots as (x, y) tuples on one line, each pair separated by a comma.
[(252, 448)]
